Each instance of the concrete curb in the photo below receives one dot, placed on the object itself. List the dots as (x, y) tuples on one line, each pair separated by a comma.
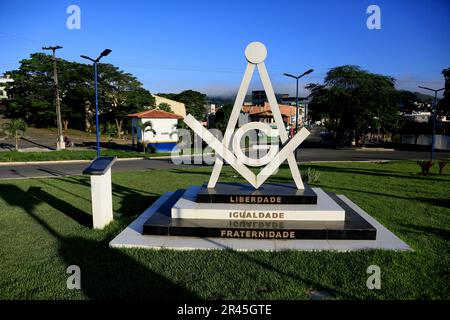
[(16, 163), (11, 163)]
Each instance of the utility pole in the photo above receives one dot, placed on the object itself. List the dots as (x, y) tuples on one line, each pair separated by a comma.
[(60, 139), (434, 118)]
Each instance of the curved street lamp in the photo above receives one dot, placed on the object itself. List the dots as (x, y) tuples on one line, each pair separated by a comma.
[(103, 54), (296, 94), (434, 117)]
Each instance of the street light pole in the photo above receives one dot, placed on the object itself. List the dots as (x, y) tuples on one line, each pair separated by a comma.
[(97, 128), (296, 107), (434, 117), (60, 139), (95, 61), (296, 94)]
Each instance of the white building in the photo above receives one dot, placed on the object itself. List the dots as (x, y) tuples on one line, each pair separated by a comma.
[(3, 81), (417, 116), (163, 135)]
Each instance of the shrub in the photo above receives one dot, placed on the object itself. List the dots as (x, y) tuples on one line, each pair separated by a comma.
[(310, 175), (425, 165), (442, 164)]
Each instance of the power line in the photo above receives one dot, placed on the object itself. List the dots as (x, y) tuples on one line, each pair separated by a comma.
[(240, 71)]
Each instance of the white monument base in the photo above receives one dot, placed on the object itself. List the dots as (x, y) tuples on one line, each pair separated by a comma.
[(132, 237), (325, 210), (101, 196)]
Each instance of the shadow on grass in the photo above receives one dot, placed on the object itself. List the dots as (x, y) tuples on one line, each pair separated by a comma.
[(105, 273), (445, 203), (439, 232), (66, 208), (112, 274), (132, 201), (190, 172), (56, 186), (289, 275)]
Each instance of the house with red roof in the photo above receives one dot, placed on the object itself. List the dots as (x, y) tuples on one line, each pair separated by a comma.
[(160, 132), (263, 113)]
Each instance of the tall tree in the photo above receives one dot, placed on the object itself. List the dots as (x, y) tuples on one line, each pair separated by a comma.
[(444, 104), (220, 119), (32, 93), (194, 101), (354, 102), (122, 94)]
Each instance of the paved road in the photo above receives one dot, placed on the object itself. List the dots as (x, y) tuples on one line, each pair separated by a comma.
[(306, 155)]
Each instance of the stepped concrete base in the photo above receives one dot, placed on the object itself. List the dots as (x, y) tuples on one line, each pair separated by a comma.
[(245, 193), (326, 209), (132, 237)]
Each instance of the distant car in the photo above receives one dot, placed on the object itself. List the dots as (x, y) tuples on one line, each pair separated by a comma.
[(328, 139)]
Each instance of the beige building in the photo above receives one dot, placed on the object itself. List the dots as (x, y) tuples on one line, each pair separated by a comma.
[(177, 107)]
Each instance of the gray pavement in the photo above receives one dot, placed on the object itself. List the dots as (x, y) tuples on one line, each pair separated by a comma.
[(17, 171)]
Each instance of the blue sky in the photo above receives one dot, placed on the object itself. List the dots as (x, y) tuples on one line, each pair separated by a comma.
[(176, 45)]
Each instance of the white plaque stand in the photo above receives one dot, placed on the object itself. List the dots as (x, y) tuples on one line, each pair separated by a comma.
[(101, 196)]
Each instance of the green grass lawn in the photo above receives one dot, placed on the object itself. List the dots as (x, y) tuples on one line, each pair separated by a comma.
[(44, 229)]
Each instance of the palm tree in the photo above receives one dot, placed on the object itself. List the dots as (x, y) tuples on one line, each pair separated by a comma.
[(15, 128), (146, 126), (174, 130)]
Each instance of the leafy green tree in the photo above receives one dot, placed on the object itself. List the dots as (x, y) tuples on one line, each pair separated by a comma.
[(122, 94), (168, 95), (355, 102), (443, 107), (165, 107), (110, 130), (193, 100), (406, 100), (33, 94), (15, 128), (33, 91), (220, 119), (77, 94)]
